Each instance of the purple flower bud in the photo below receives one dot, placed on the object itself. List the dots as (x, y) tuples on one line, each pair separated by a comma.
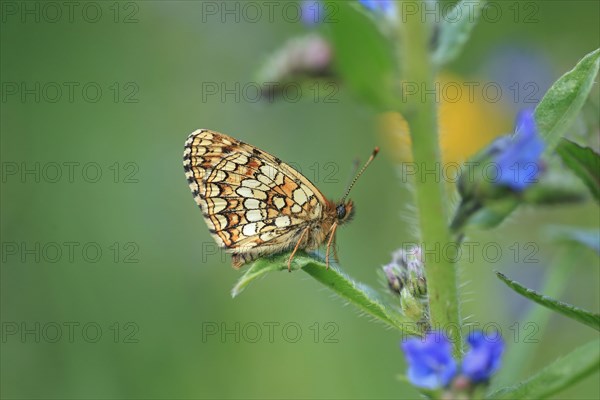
[(299, 58), (394, 278), (407, 271), (430, 361), (483, 359)]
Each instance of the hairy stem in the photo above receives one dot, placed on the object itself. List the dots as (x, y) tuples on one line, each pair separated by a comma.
[(420, 112)]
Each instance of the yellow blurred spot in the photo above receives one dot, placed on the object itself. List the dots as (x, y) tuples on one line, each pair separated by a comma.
[(467, 122)]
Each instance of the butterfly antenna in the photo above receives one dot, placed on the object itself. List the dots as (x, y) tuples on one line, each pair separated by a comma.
[(355, 166), (375, 151)]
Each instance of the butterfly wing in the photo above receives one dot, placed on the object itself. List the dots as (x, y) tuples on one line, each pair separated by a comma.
[(253, 203)]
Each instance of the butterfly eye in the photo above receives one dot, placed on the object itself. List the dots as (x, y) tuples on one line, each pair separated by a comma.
[(341, 211)]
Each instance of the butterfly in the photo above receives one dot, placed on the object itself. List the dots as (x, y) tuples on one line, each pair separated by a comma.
[(254, 204)]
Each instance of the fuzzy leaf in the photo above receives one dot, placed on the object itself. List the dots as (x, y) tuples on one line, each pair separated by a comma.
[(519, 354), (557, 376), (363, 56), (258, 269), (455, 30), (584, 162), (362, 296), (563, 101), (578, 314)]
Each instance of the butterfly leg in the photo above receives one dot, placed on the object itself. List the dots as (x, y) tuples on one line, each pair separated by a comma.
[(331, 238), (296, 249), (335, 253)]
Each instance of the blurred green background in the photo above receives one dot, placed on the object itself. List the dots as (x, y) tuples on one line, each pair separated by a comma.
[(158, 284)]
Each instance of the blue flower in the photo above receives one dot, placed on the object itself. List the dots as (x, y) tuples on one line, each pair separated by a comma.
[(518, 162), (430, 361), (483, 359), (386, 7)]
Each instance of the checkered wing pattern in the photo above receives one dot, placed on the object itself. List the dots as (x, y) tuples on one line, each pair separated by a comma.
[(253, 203)]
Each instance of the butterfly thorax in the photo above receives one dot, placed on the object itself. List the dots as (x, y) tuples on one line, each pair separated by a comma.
[(334, 213)]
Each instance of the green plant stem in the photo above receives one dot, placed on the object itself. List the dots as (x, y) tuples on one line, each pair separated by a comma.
[(421, 114)]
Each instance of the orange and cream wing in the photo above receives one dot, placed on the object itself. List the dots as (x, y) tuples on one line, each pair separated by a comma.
[(250, 199)]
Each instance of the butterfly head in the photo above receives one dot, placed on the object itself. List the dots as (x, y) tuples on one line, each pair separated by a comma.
[(344, 211)]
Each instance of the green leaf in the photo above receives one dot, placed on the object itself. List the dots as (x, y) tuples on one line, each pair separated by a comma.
[(552, 192), (258, 269), (362, 296), (455, 30), (494, 212), (563, 101), (584, 162), (557, 376), (578, 314), (587, 237), (486, 216), (519, 355), (363, 56)]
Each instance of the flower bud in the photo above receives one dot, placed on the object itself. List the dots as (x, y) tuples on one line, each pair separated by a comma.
[(298, 60), (406, 271), (492, 182), (412, 307)]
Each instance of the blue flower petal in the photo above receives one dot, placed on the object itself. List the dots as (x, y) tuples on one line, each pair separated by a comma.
[(518, 163), (431, 365), (483, 359)]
